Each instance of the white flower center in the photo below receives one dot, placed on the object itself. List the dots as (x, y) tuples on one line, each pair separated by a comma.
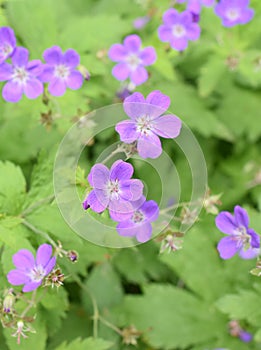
[(61, 71), (242, 237), (178, 30), (144, 125), (137, 217), (37, 273), (232, 14), (113, 189), (20, 75), (133, 61)]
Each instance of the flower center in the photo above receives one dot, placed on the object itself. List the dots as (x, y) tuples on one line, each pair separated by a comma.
[(37, 273), (113, 189), (178, 30), (6, 48), (143, 125), (137, 217), (133, 61), (20, 75), (242, 237), (232, 14), (61, 71)]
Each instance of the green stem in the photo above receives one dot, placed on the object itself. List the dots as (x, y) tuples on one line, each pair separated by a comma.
[(110, 325), (119, 149), (37, 204), (39, 232)]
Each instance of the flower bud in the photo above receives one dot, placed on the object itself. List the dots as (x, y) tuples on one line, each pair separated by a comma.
[(72, 256), (9, 301)]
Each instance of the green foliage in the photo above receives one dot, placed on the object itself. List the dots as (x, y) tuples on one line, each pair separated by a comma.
[(89, 343)]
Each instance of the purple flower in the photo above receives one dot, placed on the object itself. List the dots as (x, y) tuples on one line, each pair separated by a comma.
[(141, 22), (195, 5), (241, 239), (139, 224), (114, 189), (22, 76), (234, 12), (30, 271), (245, 336), (178, 28), (7, 43), (132, 59), (147, 123), (60, 70)]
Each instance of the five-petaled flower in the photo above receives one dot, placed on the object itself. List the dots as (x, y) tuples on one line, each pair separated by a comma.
[(147, 123), (60, 70), (234, 12), (178, 28), (22, 76), (139, 225), (241, 239), (114, 189), (195, 5), (30, 271), (132, 59), (7, 43)]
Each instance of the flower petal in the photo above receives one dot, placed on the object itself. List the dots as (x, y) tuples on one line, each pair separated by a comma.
[(126, 228), (53, 55), (47, 73), (33, 88), (57, 87), (148, 56), (29, 287), (7, 35), (121, 71), (100, 176), (127, 131), (75, 80), (35, 67), (246, 16), (255, 238), (121, 170), (97, 201), (167, 126), (193, 32), (44, 254), (249, 253), (227, 247), (170, 16), (165, 33), (20, 57), (132, 43), (23, 259), (71, 58), (17, 277), (6, 71), (150, 210), (179, 44), (120, 210), (117, 53), (135, 105), (139, 75), (149, 146), (225, 222), (50, 265), (131, 190), (143, 232), (241, 216), (157, 99), (12, 91)]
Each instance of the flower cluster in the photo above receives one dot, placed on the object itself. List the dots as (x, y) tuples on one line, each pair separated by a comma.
[(233, 12), (27, 77)]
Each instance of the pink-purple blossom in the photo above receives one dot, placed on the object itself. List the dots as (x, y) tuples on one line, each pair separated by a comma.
[(139, 225), (140, 22), (147, 123), (233, 12), (132, 59), (114, 189), (241, 239), (7, 43), (30, 271), (178, 29), (195, 5), (60, 70), (22, 76)]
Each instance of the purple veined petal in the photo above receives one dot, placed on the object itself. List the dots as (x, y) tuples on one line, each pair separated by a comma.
[(148, 56), (139, 75), (120, 210), (57, 87), (220, 10), (126, 228), (250, 253), (255, 238), (138, 203), (121, 170), (135, 105), (100, 176), (194, 6), (12, 91), (23, 259), (241, 216), (53, 55), (149, 146), (71, 58), (170, 16), (157, 99), (35, 67), (89, 178), (132, 43), (50, 265), (143, 232), (226, 223), (20, 57), (117, 53), (17, 277), (179, 44), (29, 287), (121, 71), (33, 88), (193, 32), (6, 71), (7, 35), (44, 254), (97, 201), (186, 18), (227, 247), (150, 210), (167, 126), (75, 80), (127, 131), (246, 16), (165, 33), (47, 73), (131, 190)]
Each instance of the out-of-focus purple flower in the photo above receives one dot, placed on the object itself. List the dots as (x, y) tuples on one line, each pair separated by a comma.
[(132, 59), (114, 189), (178, 29), (7, 43), (141, 22), (147, 123), (30, 271), (195, 17), (21, 76), (234, 12), (123, 93), (245, 336), (241, 239), (139, 225), (195, 5), (60, 71)]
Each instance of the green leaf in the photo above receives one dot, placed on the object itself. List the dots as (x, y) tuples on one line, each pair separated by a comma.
[(89, 343)]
